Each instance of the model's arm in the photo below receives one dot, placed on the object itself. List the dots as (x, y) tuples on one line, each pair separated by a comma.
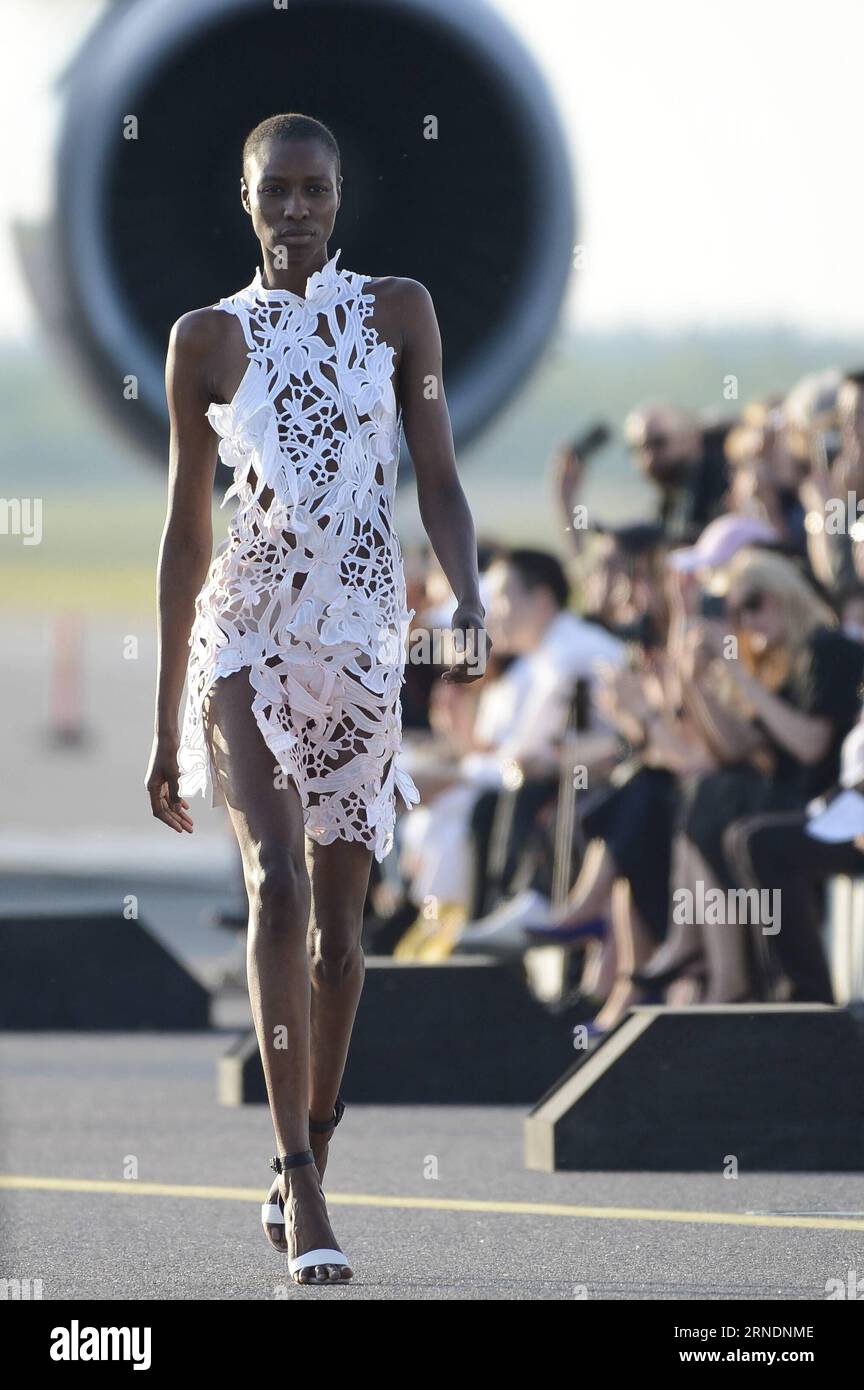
[(444, 508), (185, 549)]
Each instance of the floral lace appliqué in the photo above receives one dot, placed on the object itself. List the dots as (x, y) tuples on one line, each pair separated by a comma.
[(307, 589)]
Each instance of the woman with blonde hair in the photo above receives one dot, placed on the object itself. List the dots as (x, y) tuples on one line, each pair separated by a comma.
[(774, 687)]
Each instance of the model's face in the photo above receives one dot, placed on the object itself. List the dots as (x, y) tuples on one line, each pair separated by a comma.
[(292, 196)]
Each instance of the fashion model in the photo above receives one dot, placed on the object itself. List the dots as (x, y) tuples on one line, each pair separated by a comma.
[(291, 638)]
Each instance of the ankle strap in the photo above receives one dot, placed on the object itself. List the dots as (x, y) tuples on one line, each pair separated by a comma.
[(297, 1160), (321, 1126)]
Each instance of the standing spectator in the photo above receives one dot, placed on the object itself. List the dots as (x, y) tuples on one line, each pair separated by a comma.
[(684, 457)]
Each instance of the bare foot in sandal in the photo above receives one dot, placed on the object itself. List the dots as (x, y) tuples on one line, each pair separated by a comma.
[(297, 1196)]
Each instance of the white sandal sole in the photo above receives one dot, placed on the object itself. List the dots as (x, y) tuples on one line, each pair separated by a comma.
[(273, 1215)]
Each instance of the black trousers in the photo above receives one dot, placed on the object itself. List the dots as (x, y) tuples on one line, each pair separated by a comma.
[(773, 851), (636, 822), (524, 841), (710, 802)]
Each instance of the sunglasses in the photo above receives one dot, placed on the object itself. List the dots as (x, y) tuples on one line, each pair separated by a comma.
[(655, 441)]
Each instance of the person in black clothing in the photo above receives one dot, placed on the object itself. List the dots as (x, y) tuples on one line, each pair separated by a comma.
[(775, 715), (800, 726), (799, 850), (778, 850)]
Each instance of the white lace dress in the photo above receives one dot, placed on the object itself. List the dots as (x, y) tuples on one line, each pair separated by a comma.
[(307, 589)]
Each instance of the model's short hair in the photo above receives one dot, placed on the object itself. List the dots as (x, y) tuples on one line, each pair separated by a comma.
[(291, 126)]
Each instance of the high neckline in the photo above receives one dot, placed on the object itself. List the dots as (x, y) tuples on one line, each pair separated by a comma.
[(315, 283)]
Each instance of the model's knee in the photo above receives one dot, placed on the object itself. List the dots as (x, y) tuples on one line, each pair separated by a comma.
[(335, 951), (278, 886)]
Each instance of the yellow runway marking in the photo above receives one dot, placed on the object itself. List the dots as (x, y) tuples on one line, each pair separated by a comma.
[(351, 1199)]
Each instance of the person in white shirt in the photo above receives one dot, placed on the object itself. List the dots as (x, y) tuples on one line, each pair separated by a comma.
[(519, 720)]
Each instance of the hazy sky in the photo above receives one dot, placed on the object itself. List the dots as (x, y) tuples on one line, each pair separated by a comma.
[(715, 147)]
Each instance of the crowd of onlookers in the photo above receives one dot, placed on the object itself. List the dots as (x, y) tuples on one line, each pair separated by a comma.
[(663, 766)]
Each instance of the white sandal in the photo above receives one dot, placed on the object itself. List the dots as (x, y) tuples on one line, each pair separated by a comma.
[(273, 1214)]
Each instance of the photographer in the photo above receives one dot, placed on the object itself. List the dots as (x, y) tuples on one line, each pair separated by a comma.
[(683, 456)]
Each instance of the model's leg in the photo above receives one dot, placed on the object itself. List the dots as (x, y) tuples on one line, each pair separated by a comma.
[(268, 822), (340, 879), (335, 772)]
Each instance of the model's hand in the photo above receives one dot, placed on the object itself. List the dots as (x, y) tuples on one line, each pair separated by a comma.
[(472, 645), (162, 783)]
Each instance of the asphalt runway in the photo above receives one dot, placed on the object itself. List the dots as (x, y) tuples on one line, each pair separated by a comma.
[(430, 1203)]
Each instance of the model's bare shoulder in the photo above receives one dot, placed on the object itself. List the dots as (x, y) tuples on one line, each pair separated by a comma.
[(412, 296), (202, 346), (402, 306), (197, 332)]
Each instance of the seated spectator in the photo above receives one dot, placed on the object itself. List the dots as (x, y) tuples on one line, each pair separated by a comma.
[(432, 599), (630, 828), (850, 611), (830, 427), (774, 716), (619, 903), (796, 851), (711, 730), (519, 719), (849, 466)]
